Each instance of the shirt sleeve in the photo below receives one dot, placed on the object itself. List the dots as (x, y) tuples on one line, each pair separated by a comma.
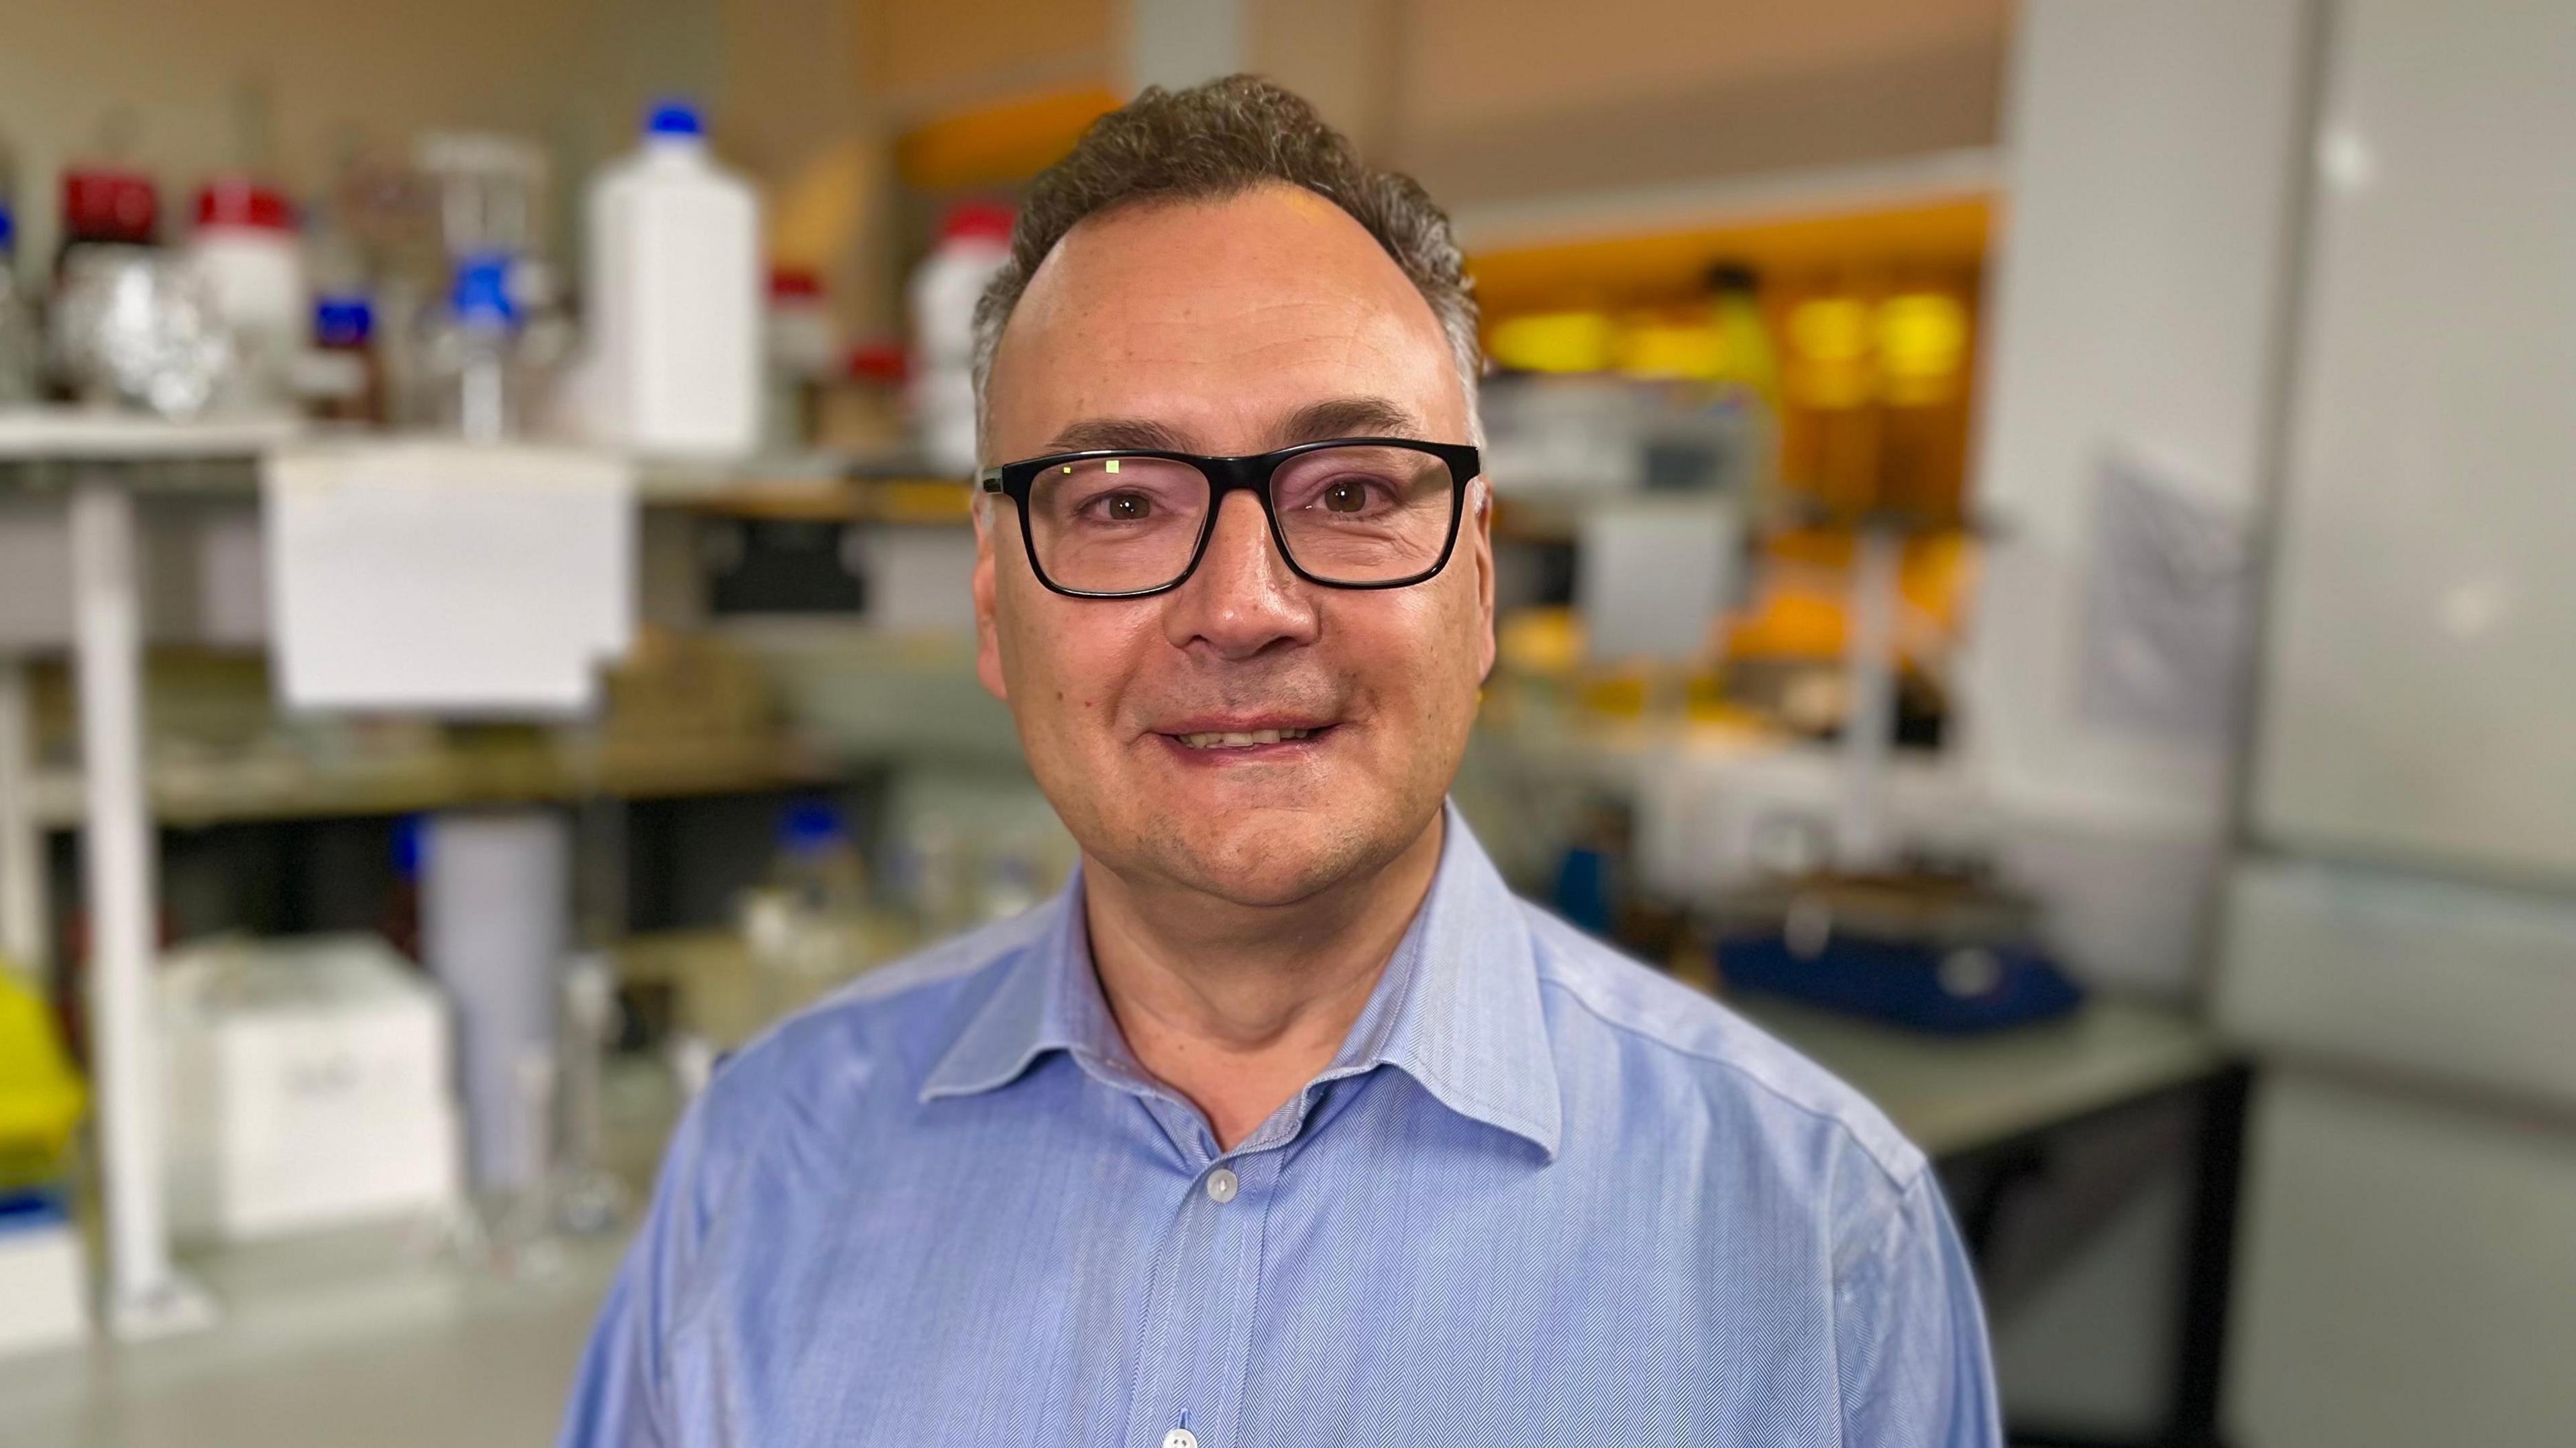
[(1910, 1337), (621, 1397)]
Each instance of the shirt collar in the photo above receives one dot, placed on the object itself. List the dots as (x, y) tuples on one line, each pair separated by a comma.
[(1457, 1009)]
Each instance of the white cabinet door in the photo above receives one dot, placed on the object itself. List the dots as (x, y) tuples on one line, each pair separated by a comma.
[(2419, 695)]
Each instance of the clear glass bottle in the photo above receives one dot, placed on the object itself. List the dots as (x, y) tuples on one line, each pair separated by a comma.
[(469, 357), (21, 346)]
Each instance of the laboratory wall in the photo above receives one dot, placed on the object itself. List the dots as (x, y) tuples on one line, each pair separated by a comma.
[(187, 90)]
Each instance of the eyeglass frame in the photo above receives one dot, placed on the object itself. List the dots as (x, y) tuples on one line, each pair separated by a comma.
[(1251, 473)]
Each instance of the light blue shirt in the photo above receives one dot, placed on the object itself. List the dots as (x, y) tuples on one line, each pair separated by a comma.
[(1544, 1195)]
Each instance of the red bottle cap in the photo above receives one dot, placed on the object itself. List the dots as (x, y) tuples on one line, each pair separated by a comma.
[(241, 201), (798, 283), (980, 220), (877, 362), (100, 204)]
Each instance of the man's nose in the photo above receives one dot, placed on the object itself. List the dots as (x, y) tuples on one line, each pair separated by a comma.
[(1243, 598)]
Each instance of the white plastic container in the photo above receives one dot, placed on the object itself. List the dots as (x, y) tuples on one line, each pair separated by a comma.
[(308, 1088), (974, 243), (43, 1289), (251, 262), (675, 298)]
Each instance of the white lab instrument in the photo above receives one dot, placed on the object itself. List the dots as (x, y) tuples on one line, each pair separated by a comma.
[(308, 1087), (496, 924)]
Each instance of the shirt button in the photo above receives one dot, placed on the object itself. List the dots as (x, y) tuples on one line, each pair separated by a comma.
[(1180, 1438), (1221, 1187)]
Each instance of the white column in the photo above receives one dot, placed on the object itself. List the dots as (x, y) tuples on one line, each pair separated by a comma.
[(145, 1296), (22, 845)]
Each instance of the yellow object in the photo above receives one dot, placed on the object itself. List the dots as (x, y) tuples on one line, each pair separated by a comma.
[(999, 144), (40, 1099), (1829, 347), (1540, 639), (1745, 356), (1922, 346), (1672, 351), (1555, 342)]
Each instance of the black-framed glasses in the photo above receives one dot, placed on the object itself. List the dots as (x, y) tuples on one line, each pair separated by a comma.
[(1354, 512)]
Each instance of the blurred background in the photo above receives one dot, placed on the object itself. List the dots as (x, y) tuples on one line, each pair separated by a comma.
[(2032, 545)]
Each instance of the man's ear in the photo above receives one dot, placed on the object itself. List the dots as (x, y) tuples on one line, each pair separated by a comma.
[(1480, 546), (988, 637)]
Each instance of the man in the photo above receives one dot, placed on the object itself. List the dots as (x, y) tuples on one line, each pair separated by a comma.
[(1286, 1123)]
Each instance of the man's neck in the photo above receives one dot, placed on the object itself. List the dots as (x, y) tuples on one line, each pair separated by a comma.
[(1238, 1007)]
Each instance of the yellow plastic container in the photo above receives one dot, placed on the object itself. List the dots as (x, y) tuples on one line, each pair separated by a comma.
[(40, 1098)]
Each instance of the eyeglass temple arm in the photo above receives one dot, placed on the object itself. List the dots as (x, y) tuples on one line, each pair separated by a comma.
[(990, 479)]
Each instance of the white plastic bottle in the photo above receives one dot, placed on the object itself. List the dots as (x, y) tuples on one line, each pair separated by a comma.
[(974, 243), (247, 255), (675, 298)]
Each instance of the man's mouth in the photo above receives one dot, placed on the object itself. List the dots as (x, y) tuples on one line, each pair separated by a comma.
[(1242, 739)]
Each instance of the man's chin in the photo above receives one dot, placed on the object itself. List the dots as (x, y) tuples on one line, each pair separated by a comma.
[(1265, 857)]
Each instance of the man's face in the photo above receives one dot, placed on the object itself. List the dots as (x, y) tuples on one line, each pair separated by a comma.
[(1231, 327)]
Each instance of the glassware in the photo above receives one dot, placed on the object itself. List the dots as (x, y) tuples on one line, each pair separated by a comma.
[(134, 328), (469, 361)]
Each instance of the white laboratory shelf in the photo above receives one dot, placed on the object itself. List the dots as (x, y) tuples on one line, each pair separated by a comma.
[(78, 434)]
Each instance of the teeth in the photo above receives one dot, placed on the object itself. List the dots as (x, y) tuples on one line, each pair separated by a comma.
[(1242, 740)]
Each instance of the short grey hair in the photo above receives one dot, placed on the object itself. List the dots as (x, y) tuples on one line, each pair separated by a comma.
[(1218, 140)]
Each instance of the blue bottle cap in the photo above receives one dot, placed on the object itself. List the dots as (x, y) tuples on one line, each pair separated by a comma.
[(482, 293), (411, 844), (8, 230), (810, 825), (343, 321), (673, 117)]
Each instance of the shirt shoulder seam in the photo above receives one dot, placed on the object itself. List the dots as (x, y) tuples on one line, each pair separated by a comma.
[(1900, 1181)]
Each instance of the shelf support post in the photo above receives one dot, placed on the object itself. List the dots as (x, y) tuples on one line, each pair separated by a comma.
[(146, 1296)]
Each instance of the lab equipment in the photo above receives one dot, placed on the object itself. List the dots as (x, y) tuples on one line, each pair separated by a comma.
[(19, 347), (675, 297), (42, 1282), (974, 243), (803, 351), (495, 926), (105, 206), (132, 327), (469, 355), (247, 257), (308, 1088), (40, 1099), (1916, 949), (810, 926), (344, 377)]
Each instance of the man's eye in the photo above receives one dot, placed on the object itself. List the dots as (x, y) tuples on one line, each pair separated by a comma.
[(1127, 507), (1345, 497)]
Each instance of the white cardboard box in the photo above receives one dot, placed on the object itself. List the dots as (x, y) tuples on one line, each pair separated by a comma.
[(309, 1087), (41, 1284)]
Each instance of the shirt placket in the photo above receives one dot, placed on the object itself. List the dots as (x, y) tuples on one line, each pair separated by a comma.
[(1197, 1342)]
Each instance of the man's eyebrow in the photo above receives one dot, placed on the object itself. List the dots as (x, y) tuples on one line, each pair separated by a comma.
[(1348, 417), (1097, 434)]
